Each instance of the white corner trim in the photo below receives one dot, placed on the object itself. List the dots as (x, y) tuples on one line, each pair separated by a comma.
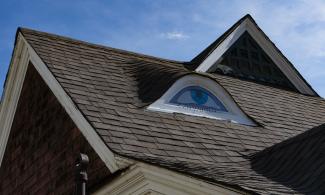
[(142, 179), (266, 45), (12, 92), (278, 59), (123, 162), (235, 114), (83, 125)]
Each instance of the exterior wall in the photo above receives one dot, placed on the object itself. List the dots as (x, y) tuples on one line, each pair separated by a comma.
[(43, 146)]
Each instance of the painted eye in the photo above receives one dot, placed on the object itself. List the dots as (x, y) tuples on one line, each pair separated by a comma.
[(198, 98)]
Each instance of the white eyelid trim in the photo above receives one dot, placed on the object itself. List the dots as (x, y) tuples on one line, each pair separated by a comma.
[(235, 114)]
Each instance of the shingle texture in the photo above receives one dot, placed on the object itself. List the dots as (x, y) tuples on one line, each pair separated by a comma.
[(298, 162), (113, 87)]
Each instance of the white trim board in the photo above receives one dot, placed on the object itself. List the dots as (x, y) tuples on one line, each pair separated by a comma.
[(11, 91), (269, 48), (234, 114), (141, 179), (23, 54)]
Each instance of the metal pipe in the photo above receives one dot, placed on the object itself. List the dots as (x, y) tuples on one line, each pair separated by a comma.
[(81, 174)]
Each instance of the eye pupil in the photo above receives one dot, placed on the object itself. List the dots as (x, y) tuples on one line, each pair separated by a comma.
[(199, 96)]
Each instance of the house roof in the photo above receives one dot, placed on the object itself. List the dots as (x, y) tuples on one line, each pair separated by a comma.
[(112, 88), (285, 161)]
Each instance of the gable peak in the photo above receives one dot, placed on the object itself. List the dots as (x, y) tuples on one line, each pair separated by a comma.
[(282, 72)]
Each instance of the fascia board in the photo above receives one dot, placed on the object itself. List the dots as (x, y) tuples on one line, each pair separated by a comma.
[(23, 55)]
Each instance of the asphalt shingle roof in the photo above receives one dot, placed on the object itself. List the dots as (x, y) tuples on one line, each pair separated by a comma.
[(113, 87), (298, 162)]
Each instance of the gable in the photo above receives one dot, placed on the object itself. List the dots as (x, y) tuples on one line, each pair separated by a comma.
[(43, 145), (24, 55), (284, 73), (246, 59)]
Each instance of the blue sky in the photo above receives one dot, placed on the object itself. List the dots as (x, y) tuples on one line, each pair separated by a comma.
[(173, 29)]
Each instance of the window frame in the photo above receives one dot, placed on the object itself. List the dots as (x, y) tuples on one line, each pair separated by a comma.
[(234, 114)]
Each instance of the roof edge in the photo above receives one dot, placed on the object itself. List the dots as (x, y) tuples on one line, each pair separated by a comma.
[(24, 55), (208, 50), (137, 160), (117, 50)]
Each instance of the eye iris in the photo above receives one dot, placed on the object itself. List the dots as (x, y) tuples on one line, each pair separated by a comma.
[(199, 96)]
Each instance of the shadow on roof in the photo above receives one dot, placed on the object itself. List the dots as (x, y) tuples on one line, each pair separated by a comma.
[(298, 163)]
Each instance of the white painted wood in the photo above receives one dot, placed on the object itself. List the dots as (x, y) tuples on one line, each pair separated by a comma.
[(278, 59), (207, 64), (247, 25), (235, 114), (142, 178), (11, 92), (24, 54)]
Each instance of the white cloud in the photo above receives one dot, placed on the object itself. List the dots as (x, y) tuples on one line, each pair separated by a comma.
[(174, 35)]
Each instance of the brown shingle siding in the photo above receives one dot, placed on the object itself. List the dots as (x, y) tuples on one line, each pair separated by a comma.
[(43, 146)]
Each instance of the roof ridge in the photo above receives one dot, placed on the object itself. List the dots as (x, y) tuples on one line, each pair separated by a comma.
[(117, 50)]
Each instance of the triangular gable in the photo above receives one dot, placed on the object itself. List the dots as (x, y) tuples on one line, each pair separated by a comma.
[(23, 55), (213, 55), (42, 140), (246, 59)]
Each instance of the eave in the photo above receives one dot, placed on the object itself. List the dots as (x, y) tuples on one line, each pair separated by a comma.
[(24, 55)]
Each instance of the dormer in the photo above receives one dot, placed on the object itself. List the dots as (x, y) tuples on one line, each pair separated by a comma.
[(198, 95)]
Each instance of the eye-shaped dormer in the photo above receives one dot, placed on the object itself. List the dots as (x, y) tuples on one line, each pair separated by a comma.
[(200, 96)]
